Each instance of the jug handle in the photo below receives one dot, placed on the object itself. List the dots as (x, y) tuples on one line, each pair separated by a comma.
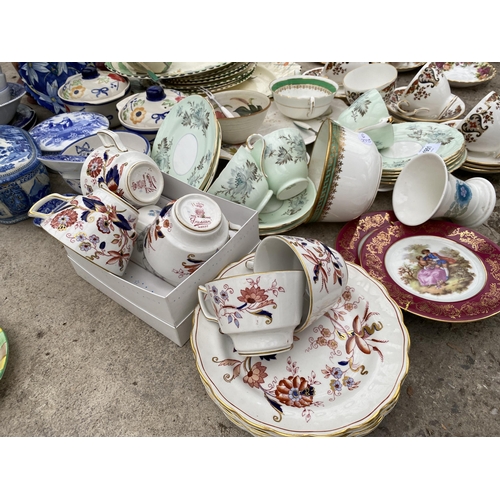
[(33, 210), (202, 293), (111, 139)]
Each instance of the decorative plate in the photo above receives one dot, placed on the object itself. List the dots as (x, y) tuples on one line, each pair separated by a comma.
[(58, 132), (411, 138), (467, 74), (4, 352), (341, 377), (277, 215), (352, 235), (187, 145), (176, 69), (437, 270), (456, 110), (25, 117)]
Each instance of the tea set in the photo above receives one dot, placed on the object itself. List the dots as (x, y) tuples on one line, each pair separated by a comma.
[(294, 301)]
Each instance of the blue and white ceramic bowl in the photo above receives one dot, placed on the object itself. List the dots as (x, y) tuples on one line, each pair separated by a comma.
[(23, 179), (56, 133), (9, 108)]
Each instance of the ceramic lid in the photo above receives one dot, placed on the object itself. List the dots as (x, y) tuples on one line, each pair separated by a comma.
[(198, 212), (147, 110), (93, 86), (18, 153)]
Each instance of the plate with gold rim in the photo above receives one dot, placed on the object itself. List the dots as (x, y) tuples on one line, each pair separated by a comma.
[(341, 377), (467, 74), (437, 270), (4, 352)]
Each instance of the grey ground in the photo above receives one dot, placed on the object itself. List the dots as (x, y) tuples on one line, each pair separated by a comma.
[(81, 365)]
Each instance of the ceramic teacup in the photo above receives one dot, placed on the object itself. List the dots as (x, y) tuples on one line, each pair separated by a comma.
[(324, 268), (259, 311), (379, 76), (131, 174), (303, 97), (426, 190), (369, 114), (243, 181), (100, 227), (481, 127), (284, 162), (428, 95)]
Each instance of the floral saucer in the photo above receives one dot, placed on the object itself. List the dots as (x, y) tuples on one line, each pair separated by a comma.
[(24, 118), (4, 352), (467, 74), (281, 216), (353, 234), (341, 377), (187, 145), (57, 132), (456, 110), (437, 270)]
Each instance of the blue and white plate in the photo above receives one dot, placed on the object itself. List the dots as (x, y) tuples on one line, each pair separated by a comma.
[(59, 131)]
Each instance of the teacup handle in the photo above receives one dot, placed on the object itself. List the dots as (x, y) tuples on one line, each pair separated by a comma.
[(252, 139), (33, 211), (202, 293), (312, 104), (406, 112), (111, 139)]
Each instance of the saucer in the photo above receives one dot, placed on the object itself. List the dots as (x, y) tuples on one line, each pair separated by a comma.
[(58, 132), (24, 118), (187, 145), (467, 74), (460, 286), (4, 352), (341, 377), (456, 110)]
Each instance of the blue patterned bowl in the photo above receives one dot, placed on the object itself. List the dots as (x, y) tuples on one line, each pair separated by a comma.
[(9, 108)]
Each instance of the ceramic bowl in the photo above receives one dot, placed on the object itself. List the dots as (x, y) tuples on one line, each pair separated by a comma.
[(250, 108), (95, 91), (9, 108), (303, 97), (346, 168), (379, 76)]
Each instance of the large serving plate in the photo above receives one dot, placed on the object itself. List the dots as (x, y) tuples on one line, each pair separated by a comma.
[(467, 74), (457, 281), (4, 352), (341, 377), (187, 145)]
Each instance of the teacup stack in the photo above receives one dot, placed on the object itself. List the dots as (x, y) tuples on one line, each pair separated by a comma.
[(292, 281)]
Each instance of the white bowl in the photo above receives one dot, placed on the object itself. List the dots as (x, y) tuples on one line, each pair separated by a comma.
[(9, 108), (251, 108)]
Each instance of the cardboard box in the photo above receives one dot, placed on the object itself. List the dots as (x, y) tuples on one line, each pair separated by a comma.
[(164, 307)]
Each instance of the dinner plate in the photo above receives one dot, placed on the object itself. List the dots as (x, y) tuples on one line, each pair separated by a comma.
[(353, 234), (341, 377), (4, 352), (187, 145), (467, 74), (456, 110), (437, 270)]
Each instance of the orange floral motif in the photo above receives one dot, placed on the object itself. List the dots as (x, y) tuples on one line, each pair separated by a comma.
[(295, 391), (138, 115), (256, 375)]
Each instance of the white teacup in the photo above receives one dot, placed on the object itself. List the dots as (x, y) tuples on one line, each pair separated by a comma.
[(426, 190), (428, 95), (324, 268), (481, 127), (243, 181), (285, 161), (369, 114), (259, 311), (379, 76)]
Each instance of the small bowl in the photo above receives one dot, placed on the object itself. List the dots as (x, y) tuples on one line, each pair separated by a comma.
[(252, 108), (303, 97), (9, 108)]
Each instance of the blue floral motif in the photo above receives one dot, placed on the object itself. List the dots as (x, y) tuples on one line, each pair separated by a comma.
[(463, 195)]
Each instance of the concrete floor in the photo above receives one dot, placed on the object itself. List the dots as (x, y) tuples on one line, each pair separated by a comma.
[(81, 365)]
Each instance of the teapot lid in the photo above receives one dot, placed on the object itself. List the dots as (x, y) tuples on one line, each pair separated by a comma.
[(198, 212), (93, 86)]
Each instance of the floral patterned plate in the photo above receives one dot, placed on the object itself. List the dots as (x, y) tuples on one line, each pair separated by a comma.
[(437, 270), (467, 74), (4, 352), (341, 377), (187, 145)]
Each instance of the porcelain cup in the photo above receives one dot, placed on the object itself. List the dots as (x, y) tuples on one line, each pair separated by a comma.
[(428, 95), (186, 233), (284, 162), (369, 114), (481, 127), (259, 311), (100, 227), (379, 76), (324, 268), (426, 190), (131, 174), (243, 181)]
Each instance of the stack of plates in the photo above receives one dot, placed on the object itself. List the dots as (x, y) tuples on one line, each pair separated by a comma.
[(414, 138)]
